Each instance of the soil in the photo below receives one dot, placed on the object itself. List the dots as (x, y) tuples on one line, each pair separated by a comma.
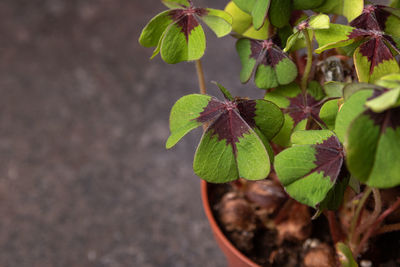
[(271, 242)]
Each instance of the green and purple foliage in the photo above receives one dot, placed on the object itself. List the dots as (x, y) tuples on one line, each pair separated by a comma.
[(235, 143), (177, 32), (272, 67), (331, 133)]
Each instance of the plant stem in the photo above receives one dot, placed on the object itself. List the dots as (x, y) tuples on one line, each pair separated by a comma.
[(202, 83), (200, 76), (356, 216), (377, 210), (373, 227), (336, 232), (388, 228), (307, 69)]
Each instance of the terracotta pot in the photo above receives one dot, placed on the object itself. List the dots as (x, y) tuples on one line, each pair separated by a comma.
[(234, 257)]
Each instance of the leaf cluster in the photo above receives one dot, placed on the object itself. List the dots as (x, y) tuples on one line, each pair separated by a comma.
[(341, 128)]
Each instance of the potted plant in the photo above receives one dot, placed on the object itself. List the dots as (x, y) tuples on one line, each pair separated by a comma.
[(324, 139)]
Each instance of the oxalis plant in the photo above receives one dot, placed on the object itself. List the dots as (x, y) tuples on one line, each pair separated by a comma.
[(330, 118)]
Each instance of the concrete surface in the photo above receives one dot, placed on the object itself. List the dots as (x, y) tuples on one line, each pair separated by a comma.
[(85, 179)]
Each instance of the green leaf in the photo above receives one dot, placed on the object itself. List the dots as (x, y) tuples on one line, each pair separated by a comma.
[(152, 32), (291, 41), (385, 101), (183, 115), (353, 106), (245, 5), (175, 48), (352, 8), (316, 90), (391, 81), (367, 72), (348, 8), (318, 22), (235, 143), (329, 112), (345, 255), (334, 89), (259, 13), (395, 4), (279, 12), (309, 171), (334, 198), (260, 34), (315, 22), (269, 118), (306, 4), (220, 22), (373, 148), (243, 47), (392, 25), (175, 3), (353, 88), (334, 37), (242, 23), (272, 67), (283, 73), (296, 111), (224, 91), (310, 137), (215, 160)]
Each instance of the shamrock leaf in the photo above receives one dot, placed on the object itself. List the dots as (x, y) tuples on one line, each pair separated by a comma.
[(242, 23), (310, 169), (388, 98), (278, 11), (370, 137), (333, 37), (272, 67), (234, 144), (329, 112), (355, 96), (373, 58), (348, 8), (315, 22), (379, 18), (297, 108), (373, 148), (177, 34)]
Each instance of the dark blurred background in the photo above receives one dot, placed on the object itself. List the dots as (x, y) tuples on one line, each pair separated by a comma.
[(85, 179)]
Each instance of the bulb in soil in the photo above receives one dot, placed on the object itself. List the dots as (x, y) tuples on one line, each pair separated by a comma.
[(321, 255), (297, 226), (236, 213), (266, 194)]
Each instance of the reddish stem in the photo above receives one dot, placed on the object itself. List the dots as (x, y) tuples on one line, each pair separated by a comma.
[(336, 231), (373, 227)]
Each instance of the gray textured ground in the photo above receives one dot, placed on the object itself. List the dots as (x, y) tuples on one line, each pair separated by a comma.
[(84, 176)]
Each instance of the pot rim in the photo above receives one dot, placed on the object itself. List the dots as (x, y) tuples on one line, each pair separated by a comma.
[(216, 229)]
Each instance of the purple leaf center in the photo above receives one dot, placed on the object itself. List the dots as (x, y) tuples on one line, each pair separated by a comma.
[(329, 158), (387, 119), (229, 119), (372, 18), (186, 18), (376, 47), (299, 109), (266, 52)]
